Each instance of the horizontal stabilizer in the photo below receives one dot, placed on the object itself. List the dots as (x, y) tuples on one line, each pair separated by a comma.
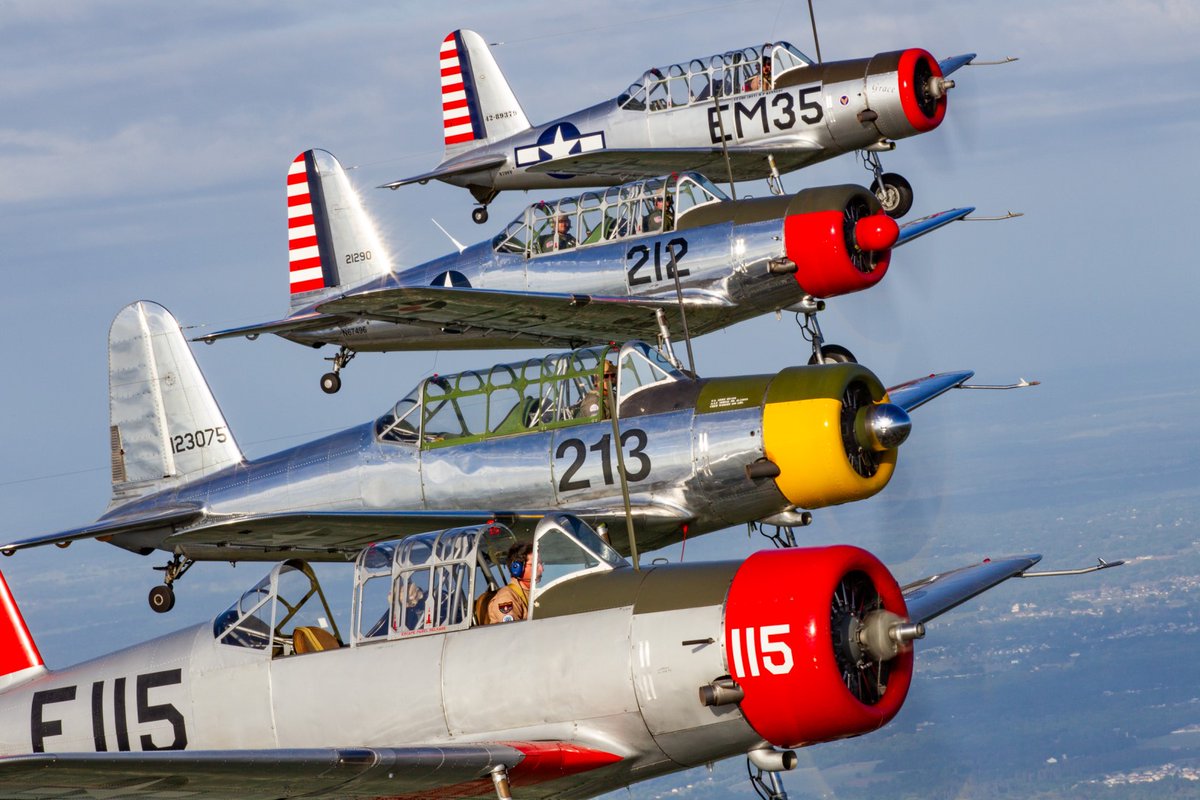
[(464, 166), (452, 770), (919, 227), (930, 597), (553, 319), (916, 393), (111, 526), (954, 63), (299, 322)]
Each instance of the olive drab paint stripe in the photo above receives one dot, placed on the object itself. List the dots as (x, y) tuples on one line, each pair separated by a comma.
[(305, 272)]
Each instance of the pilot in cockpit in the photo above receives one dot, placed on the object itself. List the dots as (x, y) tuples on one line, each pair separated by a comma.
[(761, 82), (511, 602), (660, 218), (414, 608), (561, 237), (592, 403)]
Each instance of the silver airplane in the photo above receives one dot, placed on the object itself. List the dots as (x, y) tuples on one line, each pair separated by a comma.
[(617, 675), (511, 442), (744, 114), (663, 256)]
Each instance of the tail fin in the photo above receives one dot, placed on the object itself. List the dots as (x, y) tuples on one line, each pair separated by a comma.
[(331, 240), (477, 103), (20, 660), (165, 426)]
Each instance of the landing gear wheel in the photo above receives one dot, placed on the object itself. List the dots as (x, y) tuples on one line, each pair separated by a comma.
[(833, 354), (330, 383), (479, 214), (162, 599), (895, 194)]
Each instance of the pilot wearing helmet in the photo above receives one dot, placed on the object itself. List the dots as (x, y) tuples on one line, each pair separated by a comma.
[(560, 238), (511, 602)]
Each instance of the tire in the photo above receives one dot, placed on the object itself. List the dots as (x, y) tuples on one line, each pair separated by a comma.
[(330, 383), (895, 194), (480, 215), (162, 599), (834, 354)]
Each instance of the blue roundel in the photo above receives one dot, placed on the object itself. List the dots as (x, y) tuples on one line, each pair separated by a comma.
[(453, 278), (563, 131), (558, 141)]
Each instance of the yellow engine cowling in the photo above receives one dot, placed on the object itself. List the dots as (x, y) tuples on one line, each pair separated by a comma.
[(813, 431)]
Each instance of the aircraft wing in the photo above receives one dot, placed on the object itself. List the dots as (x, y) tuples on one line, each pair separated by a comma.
[(300, 322), (332, 534), (414, 771), (916, 393), (327, 535), (477, 164), (553, 319), (919, 227), (953, 63), (747, 162), (937, 594)]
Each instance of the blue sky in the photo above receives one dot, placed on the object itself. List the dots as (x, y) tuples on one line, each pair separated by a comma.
[(143, 149)]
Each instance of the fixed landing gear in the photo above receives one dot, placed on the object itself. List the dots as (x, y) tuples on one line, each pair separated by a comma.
[(766, 781), (331, 381), (774, 182), (810, 329), (483, 195), (162, 598), (894, 192), (832, 354)]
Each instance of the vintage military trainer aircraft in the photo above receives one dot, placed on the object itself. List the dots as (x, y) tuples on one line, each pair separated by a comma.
[(510, 442), (658, 256), (615, 675), (746, 114)]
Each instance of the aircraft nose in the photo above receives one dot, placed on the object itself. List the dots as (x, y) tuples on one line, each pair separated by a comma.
[(907, 92), (818, 643), (882, 427), (831, 434), (876, 233), (839, 239)]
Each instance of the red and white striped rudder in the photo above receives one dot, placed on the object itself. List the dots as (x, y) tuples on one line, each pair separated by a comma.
[(457, 111), (305, 270), (20, 660)]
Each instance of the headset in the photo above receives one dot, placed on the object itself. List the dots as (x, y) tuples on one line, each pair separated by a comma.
[(517, 568)]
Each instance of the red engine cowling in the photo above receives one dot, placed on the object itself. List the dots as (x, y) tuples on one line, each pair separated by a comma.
[(906, 90), (839, 239), (791, 630)]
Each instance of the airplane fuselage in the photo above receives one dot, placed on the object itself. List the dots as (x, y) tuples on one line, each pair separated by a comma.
[(610, 663), (812, 114), (724, 264), (692, 466)]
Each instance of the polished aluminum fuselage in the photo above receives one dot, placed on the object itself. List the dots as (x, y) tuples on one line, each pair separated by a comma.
[(613, 678), (726, 264), (802, 124), (696, 474)]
